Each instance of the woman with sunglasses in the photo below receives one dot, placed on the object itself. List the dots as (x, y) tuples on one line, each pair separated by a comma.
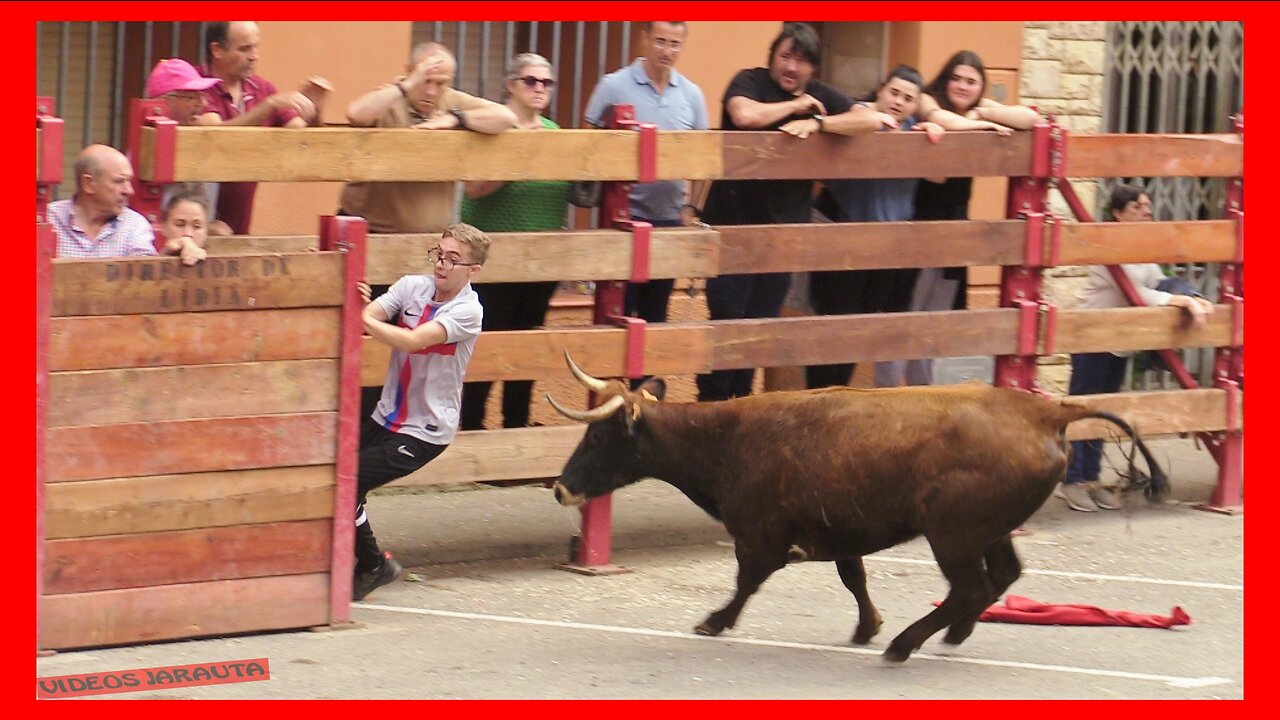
[(499, 206)]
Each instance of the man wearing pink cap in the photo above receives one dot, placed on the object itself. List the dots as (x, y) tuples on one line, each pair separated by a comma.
[(182, 88), (244, 98)]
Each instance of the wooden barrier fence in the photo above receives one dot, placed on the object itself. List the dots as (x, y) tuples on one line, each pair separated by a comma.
[(121, 404), (198, 483)]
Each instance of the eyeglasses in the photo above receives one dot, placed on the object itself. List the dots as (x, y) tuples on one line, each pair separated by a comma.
[(531, 81), (435, 256)]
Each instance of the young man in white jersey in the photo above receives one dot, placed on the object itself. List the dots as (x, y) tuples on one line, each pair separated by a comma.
[(431, 323)]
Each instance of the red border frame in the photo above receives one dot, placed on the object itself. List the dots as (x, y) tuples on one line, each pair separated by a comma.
[(1258, 151)]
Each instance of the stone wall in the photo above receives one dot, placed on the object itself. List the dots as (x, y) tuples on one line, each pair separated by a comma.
[(1062, 74)]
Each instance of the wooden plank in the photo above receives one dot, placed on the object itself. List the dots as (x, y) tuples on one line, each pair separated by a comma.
[(123, 286), (260, 244), (135, 449), (829, 246), (535, 453), (526, 257), (371, 154), (136, 395), (157, 503), (186, 556), (1125, 155), (775, 155), (189, 610), (690, 155), (787, 342), (1145, 328), (1155, 413), (115, 341), (514, 454), (1112, 243), (670, 349)]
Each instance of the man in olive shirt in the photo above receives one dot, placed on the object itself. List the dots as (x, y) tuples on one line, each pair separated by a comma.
[(422, 99)]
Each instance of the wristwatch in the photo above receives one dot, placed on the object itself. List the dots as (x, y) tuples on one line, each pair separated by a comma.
[(820, 118), (462, 119)]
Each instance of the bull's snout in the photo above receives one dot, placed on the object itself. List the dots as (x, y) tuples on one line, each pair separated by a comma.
[(567, 498)]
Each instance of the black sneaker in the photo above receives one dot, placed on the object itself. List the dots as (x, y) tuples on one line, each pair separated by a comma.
[(366, 583)]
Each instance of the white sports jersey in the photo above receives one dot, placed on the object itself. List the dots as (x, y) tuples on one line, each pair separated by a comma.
[(423, 389)]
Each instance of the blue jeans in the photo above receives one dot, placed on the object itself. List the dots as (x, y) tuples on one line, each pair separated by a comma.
[(735, 297), (1092, 373)]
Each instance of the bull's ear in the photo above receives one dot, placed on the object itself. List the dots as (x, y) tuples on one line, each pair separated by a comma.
[(655, 386)]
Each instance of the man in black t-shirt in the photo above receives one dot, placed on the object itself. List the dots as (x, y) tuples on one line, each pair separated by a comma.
[(783, 96)]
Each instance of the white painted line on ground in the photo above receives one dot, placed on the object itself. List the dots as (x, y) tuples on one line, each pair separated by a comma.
[(1083, 576), (1172, 680)]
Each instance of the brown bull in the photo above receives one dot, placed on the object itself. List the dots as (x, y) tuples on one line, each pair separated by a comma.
[(840, 473)]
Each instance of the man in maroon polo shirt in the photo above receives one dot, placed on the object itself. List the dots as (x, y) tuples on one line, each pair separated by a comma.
[(244, 98)]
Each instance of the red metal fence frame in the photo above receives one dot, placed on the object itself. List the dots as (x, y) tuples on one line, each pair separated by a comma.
[(349, 236)]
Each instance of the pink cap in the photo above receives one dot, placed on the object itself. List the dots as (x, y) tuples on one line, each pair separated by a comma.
[(175, 74)]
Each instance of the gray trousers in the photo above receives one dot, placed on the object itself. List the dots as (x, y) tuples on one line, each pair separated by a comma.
[(931, 292)]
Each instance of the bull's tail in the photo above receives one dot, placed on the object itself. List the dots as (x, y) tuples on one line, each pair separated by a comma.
[(1154, 483)]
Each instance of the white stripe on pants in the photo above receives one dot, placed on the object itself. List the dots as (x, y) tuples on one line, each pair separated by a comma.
[(931, 292)]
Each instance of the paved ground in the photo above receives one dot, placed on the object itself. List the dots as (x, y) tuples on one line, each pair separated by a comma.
[(484, 614)]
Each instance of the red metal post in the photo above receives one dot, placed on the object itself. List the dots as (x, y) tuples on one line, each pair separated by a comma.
[(49, 171), (592, 551), (45, 245), (1228, 368), (1020, 285), (346, 235), (147, 195)]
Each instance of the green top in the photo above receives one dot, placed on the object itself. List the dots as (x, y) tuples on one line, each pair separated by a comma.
[(520, 206)]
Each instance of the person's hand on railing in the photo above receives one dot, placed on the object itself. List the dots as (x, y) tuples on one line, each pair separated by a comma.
[(802, 128), (689, 217), (1001, 130), (438, 122), (807, 104), (365, 292), (887, 121), (186, 249), (1198, 308), (932, 130)]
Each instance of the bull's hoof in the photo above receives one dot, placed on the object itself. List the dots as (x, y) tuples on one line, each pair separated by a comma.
[(955, 636), (706, 628), (896, 655), (862, 636)]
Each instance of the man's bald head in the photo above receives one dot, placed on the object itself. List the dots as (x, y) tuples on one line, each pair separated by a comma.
[(430, 49), (433, 69), (94, 160), (104, 180)]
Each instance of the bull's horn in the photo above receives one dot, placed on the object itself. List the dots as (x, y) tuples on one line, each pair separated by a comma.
[(592, 415), (593, 384)]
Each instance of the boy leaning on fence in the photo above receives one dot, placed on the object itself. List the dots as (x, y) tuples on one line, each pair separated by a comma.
[(431, 323)]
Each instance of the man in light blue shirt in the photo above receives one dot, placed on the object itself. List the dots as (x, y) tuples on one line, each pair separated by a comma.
[(671, 101)]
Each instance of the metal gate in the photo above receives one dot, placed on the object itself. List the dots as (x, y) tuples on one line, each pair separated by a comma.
[(1175, 77)]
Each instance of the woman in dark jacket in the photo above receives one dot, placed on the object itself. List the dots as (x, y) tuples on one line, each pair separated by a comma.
[(958, 91)]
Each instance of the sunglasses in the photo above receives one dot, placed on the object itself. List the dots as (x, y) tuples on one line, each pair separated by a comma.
[(531, 81)]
